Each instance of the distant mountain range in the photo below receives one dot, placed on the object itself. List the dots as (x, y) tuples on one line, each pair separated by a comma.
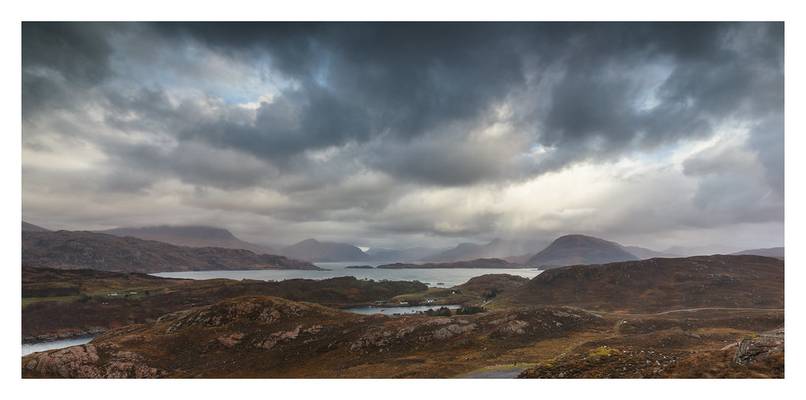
[(688, 251), (497, 248), (401, 255), (81, 249), (644, 253), (580, 249), (316, 251), (190, 235), (565, 250)]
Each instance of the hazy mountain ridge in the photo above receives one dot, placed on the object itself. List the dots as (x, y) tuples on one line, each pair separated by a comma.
[(190, 235), (497, 248), (82, 249), (644, 253), (316, 251), (401, 255)]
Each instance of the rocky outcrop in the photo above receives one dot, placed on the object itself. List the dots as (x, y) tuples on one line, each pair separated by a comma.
[(268, 336), (84, 362), (758, 348)]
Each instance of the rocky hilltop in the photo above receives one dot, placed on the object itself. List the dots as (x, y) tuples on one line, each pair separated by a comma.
[(78, 249), (580, 249), (190, 235)]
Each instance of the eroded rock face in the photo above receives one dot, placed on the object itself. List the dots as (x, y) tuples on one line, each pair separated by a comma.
[(279, 337), (453, 330), (417, 331), (264, 312), (540, 322), (83, 362), (71, 362), (230, 340), (749, 350), (515, 327), (126, 364)]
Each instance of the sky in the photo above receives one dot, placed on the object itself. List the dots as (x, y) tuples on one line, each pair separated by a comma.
[(409, 134)]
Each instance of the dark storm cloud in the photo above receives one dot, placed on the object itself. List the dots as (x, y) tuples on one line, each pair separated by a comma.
[(301, 120), (358, 81), (711, 78), (362, 80), (58, 55), (77, 51), (406, 106)]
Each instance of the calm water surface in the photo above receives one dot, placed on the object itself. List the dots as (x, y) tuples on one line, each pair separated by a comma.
[(28, 348), (431, 277), (398, 310)]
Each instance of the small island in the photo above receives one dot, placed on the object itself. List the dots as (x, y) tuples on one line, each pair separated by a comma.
[(359, 267)]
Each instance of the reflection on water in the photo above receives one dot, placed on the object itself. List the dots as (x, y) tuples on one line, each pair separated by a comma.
[(28, 348), (398, 310), (431, 277)]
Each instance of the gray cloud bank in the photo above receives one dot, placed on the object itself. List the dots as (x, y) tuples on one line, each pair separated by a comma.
[(413, 132)]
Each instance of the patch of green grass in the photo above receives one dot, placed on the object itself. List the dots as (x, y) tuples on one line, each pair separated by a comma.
[(602, 351), (26, 301)]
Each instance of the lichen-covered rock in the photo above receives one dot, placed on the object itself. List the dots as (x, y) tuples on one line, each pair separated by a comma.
[(84, 362), (762, 346), (70, 362), (453, 330), (514, 327), (279, 337), (230, 340)]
